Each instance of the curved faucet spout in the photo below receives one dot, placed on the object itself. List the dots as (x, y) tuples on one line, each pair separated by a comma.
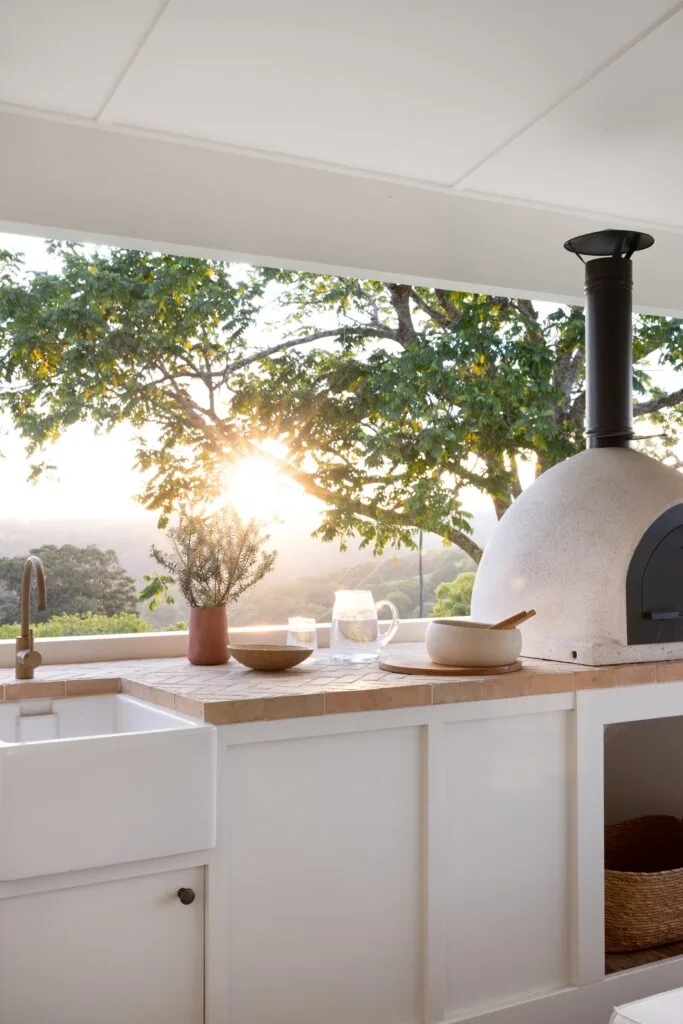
[(27, 658), (32, 565)]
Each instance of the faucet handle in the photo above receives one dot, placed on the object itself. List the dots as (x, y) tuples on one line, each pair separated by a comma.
[(29, 658)]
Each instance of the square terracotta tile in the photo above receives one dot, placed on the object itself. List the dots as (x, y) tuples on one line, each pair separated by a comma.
[(347, 701), (294, 706), (378, 698), (142, 691), (414, 695), (594, 679), (633, 675), (454, 691), (669, 671), (232, 712), (91, 687), (164, 698), (188, 706), (32, 689), (551, 682), (497, 687)]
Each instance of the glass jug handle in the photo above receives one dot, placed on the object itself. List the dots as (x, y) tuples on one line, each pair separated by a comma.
[(384, 638)]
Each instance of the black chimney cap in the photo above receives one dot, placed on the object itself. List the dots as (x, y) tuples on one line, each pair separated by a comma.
[(609, 242)]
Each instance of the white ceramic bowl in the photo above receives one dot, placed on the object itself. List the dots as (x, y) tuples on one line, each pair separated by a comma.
[(471, 644)]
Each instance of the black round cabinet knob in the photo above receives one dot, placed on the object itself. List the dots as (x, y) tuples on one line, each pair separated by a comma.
[(186, 896)]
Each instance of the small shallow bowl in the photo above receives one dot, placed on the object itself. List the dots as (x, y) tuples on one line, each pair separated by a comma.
[(471, 644), (269, 657)]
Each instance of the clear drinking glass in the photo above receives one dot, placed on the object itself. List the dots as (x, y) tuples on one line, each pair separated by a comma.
[(355, 634), (301, 632)]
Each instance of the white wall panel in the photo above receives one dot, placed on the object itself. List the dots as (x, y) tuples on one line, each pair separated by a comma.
[(644, 768), (507, 895)]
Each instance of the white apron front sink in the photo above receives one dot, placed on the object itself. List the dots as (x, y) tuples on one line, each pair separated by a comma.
[(101, 780)]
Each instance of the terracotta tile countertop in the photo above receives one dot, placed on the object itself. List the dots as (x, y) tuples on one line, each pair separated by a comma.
[(231, 693)]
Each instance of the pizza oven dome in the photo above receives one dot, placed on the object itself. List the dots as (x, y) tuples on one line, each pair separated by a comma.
[(595, 545)]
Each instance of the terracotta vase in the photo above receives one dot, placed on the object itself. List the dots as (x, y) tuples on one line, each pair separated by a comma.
[(208, 641)]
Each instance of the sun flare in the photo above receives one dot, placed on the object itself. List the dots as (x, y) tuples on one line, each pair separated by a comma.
[(259, 490)]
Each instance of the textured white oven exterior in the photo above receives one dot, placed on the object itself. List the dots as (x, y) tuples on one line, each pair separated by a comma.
[(564, 548)]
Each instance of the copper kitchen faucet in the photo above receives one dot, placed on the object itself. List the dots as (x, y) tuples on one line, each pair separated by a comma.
[(27, 658)]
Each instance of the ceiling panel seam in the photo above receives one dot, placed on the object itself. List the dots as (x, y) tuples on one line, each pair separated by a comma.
[(149, 28), (612, 219), (571, 91)]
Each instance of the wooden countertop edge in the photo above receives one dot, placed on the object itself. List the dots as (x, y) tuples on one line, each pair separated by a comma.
[(407, 691)]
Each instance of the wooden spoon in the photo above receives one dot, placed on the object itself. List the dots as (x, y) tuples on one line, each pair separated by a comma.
[(514, 620)]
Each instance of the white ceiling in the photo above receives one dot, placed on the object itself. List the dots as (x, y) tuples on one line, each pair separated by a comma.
[(68, 55), (615, 146), (416, 90), (574, 106)]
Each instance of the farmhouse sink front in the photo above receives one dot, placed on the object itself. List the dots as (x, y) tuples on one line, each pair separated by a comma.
[(107, 779)]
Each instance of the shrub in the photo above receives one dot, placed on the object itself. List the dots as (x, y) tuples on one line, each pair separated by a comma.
[(85, 625)]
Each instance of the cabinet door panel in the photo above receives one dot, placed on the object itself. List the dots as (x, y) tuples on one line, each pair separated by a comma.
[(506, 901), (324, 880), (124, 951)]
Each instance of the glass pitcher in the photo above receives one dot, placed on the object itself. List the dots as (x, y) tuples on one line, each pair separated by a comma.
[(355, 634)]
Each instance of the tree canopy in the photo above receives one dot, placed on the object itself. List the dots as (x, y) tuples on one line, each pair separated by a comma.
[(80, 581), (454, 598), (389, 400)]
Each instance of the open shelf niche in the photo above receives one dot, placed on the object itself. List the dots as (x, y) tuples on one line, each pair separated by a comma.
[(643, 775)]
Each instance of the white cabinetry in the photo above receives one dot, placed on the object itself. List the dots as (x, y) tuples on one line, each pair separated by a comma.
[(412, 869), (112, 952)]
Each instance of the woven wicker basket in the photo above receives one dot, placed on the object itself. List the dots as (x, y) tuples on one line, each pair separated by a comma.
[(643, 883)]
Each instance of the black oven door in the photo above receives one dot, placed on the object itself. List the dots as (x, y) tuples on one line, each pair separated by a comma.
[(654, 584)]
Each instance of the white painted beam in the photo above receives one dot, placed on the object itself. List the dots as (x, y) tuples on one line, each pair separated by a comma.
[(70, 179)]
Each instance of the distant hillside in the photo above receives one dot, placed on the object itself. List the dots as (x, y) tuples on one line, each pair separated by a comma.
[(286, 591), (393, 578)]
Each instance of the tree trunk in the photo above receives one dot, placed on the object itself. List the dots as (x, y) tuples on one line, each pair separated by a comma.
[(502, 484), (501, 505)]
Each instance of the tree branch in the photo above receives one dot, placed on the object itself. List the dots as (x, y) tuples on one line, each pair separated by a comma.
[(306, 481), (439, 318), (527, 307), (449, 306), (466, 544), (655, 404), (359, 332), (497, 471)]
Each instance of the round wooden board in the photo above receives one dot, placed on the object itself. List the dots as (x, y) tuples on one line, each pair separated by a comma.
[(422, 665)]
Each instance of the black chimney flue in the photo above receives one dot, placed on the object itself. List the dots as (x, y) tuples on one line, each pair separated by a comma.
[(609, 353), (609, 356)]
